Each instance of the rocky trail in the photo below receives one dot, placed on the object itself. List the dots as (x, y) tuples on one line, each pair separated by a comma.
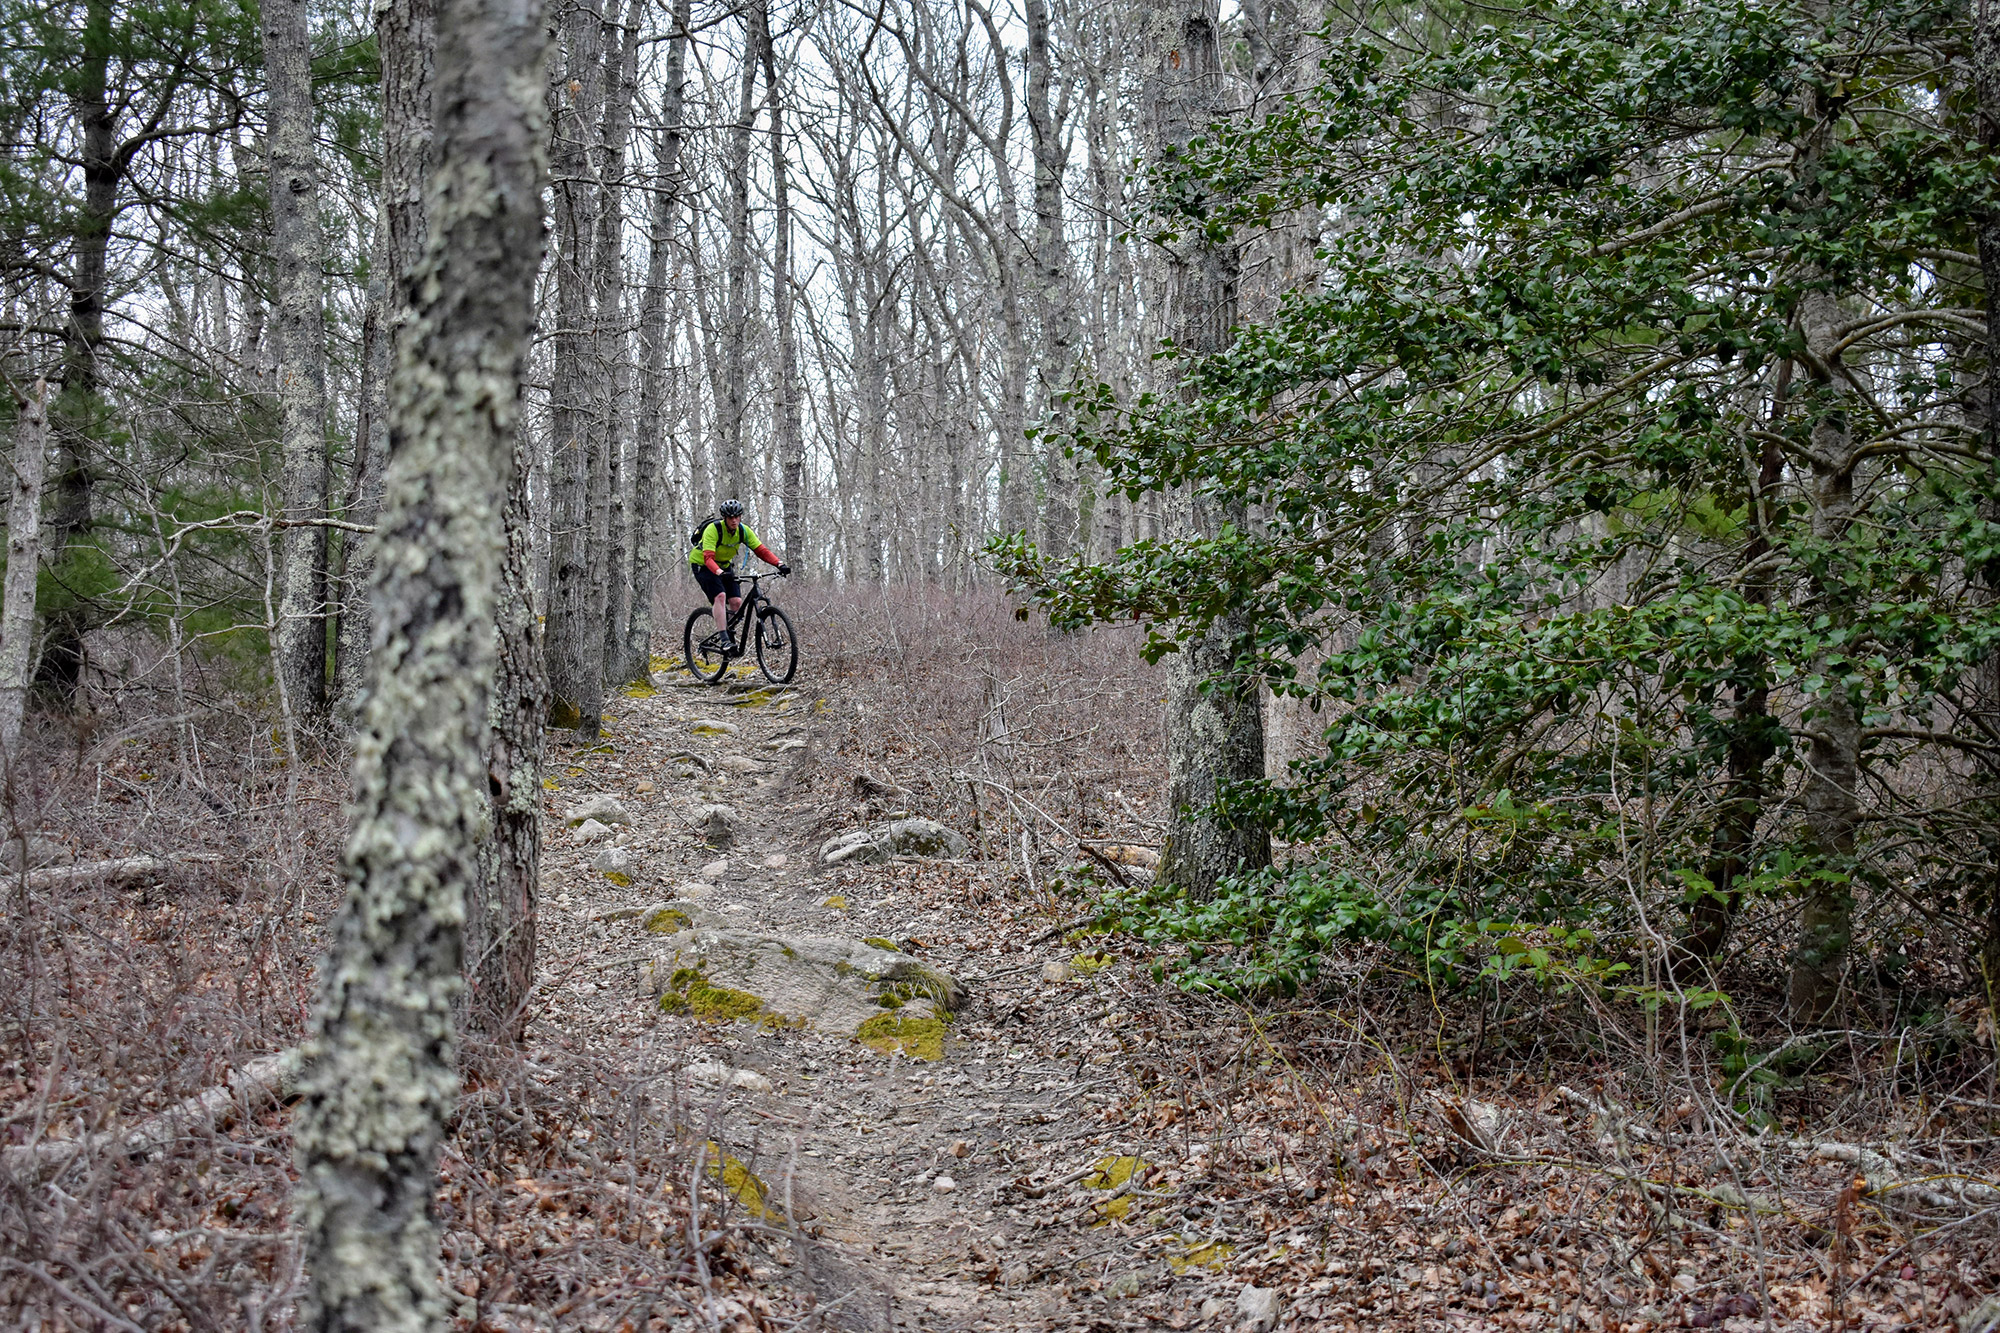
[(951, 1164)]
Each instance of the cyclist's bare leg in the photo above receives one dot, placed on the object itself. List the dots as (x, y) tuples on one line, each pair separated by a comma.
[(722, 616)]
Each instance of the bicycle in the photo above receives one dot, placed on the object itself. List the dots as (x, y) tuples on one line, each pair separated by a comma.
[(776, 647)]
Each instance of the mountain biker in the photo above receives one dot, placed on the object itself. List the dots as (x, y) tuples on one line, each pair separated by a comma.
[(713, 564)]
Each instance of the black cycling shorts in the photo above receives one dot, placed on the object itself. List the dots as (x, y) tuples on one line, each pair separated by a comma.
[(714, 585)]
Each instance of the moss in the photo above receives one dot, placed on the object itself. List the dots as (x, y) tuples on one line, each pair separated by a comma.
[(668, 921), (684, 977), (721, 1004), (618, 877), (564, 715), (881, 943), (709, 731), (741, 1183), (918, 1038), (1208, 1255), (889, 1000), (837, 902), (1111, 1174), (550, 784), (673, 1002), (664, 663), (639, 690)]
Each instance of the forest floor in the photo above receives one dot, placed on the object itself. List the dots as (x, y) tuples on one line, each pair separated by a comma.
[(1381, 1152), (1093, 1150)]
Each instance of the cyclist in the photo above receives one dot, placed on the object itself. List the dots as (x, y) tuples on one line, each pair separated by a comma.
[(713, 563)]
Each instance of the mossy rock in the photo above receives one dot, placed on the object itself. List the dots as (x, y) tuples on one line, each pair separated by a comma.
[(918, 1038), (619, 877), (1209, 1256), (1113, 1173), (722, 1004), (829, 982), (741, 1184), (639, 690), (668, 921), (881, 943)]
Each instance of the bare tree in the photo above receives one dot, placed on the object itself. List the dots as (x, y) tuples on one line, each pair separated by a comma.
[(651, 480), (733, 478), (24, 560), (790, 439), (297, 254), (405, 39), (575, 642), (380, 1077)]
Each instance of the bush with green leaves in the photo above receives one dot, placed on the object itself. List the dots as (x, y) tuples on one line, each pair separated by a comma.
[(1623, 492)]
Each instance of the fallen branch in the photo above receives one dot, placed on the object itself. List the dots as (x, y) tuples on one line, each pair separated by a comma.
[(270, 1077), (122, 870)]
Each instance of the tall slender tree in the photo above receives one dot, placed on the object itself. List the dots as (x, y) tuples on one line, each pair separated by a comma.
[(299, 332), (380, 1077)]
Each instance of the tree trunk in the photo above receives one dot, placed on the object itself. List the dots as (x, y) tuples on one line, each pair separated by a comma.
[(380, 1078), (405, 38), (1833, 757), (733, 480), (81, 405), (655, 339), (1054, 300), (790, 432), (1215, 729), (610, 474), (500, 911), (1986, 84), (299, 331), (24, 559), (575, 642)]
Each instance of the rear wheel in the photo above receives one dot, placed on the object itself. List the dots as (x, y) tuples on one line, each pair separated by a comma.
[(707, 663), (777, 650)]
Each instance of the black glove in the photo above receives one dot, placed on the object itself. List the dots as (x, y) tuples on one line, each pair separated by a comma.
[(784, 571)]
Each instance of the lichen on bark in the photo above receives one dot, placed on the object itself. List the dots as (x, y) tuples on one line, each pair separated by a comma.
[(381, 1078)]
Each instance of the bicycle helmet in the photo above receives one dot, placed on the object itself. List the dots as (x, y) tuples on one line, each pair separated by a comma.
[(730, 509)]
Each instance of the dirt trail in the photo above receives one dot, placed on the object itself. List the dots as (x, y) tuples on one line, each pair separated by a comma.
[(904, 1166)]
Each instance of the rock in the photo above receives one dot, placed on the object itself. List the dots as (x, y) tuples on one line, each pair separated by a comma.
[(775, 861), (736, 763), (1056, 971), (1259, 1307), (644, 786), (784, 743), (603, 809), (1126, 1285), (904, 837), (693, 888), (1211, 1310), (944, 1185), (590, 831), (711, 1074), (1017, 1275), (714, 871), (614, 861), (719, 824), (959, 1148), (828, 982), (710, 726)]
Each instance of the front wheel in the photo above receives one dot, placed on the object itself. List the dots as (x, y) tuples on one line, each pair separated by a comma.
[(777, 649), (706, 662)]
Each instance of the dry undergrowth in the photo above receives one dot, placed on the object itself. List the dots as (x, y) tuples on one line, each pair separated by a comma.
[(578, 1189)]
